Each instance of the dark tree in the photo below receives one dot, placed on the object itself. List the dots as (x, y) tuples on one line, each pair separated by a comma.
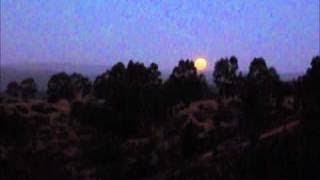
[(307, 92), (13, 89), (143, 93), (265, 79), (133, 93), (100, 85), (226, 76), (28, 88), (59, 87), (153, 104), (81, 85), (311, 91), (184, 84), (258, 98)]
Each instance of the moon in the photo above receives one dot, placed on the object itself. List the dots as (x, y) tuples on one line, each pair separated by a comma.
[(200, 64)]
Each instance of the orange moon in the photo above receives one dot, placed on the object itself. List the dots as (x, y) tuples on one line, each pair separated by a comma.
[(200, 64)]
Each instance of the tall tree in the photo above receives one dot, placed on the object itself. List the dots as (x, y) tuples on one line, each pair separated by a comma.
[(100, 85), (308, 88), (133, 93), (59, 87), (81, 85), (257, 98), (13, 89), (225, 76), (309, 91), (184, 84), (28, 88)]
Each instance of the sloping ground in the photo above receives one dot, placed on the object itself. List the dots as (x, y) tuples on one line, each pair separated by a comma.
[(47, 140), (201, 108), (238, 145), (285, 127), (236, 159), (227, 162), (54, 148)]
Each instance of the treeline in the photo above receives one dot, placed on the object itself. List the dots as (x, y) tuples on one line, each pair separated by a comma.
[(132, 102), (135, 92), (136, 88)]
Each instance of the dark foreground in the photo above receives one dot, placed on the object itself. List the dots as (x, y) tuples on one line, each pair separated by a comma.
[(129, 124)]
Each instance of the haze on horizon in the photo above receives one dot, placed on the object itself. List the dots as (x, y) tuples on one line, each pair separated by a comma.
[(285, 33)]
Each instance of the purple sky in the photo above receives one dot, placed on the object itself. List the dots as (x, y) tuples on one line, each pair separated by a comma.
[(284, 32)]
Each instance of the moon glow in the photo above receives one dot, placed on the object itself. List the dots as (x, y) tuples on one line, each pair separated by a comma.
[(200, 64)]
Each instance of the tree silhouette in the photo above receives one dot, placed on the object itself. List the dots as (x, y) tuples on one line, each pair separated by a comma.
[(184, 84), (308, 103), (13, 89), (312, 89), (152, 94), (308, 89), (59, 87), (257, 97), (102, 84), (311, 109), (28, 88), (225, 76), (132, 92), (81, 85), (265, 79)]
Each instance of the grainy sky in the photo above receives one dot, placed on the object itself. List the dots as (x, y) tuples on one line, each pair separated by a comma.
[(284, 32)]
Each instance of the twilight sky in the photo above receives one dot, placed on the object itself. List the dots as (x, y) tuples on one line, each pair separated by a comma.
[(284, 32)]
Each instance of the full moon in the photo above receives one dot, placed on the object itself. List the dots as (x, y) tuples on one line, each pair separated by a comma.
[(200, 64)]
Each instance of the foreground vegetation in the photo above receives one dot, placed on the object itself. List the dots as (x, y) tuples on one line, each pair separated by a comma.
[(129, 124)]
